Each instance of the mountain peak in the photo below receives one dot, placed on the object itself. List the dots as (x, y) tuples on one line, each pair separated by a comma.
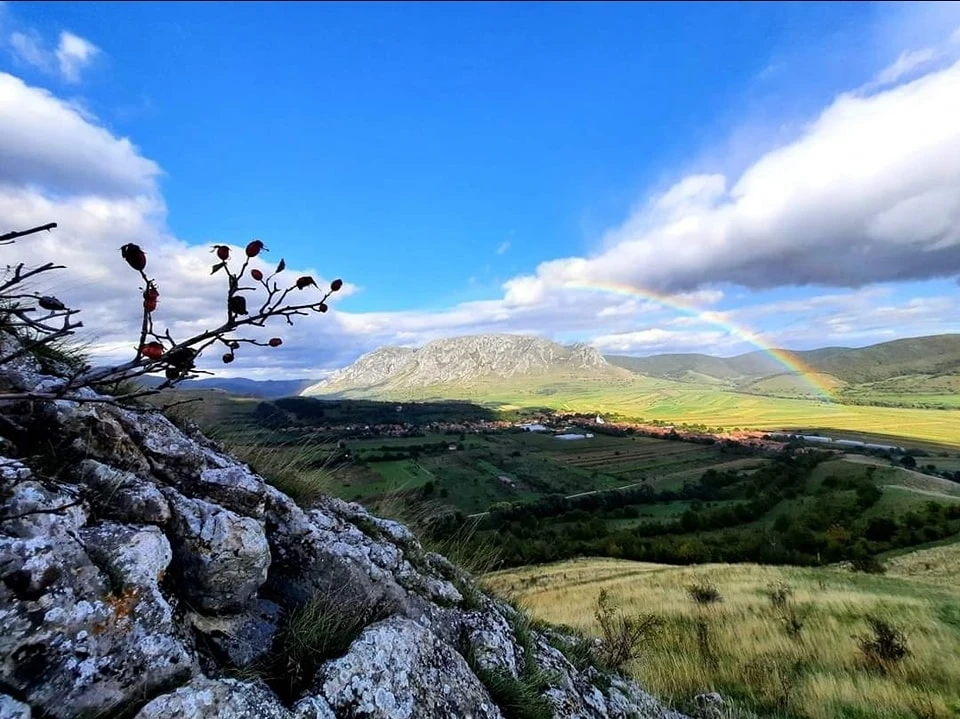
[(461, 360)]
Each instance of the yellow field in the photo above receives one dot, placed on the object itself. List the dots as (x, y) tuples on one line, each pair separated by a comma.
[(754, 658), (659, 399)]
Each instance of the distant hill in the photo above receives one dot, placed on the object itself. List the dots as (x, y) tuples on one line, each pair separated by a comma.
[(465, 361), (265, 389), (932, 364)]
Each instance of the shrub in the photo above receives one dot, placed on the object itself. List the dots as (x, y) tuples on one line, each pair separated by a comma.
[(867, 563), (781, 599), (622, 637), (774, 679), (40, 323), (885, 646), (704, 593)]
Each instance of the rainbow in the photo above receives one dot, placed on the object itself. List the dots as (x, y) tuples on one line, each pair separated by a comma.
[(790, 363)]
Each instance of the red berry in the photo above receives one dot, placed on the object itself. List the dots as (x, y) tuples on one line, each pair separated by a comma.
[(238, 305), (152, 350), (227, 358), (322, 307), (256, 274), (223, 252), (305, 281), (134, 256), (150, 296), (336, 285), (275, 342), (254, 247)]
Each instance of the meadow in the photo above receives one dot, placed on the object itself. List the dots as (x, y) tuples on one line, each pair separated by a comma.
[(740, 646)]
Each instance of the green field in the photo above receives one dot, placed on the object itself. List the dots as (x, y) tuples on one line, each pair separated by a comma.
[(752, 661), (671, 401), (469, 477)]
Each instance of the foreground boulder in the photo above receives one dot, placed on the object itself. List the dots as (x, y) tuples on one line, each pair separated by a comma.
[(141, 568)]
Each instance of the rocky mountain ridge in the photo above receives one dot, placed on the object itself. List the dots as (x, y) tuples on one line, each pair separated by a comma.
[(462, 360), (145, 573)]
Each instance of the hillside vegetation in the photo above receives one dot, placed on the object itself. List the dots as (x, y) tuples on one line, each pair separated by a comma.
[(798, 659)]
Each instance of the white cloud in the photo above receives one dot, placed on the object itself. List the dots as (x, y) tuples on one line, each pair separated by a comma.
[(51, 143), (906, 63), (504, 246), (72, 55), (60, 166), (655, 340), (28, 47), (869, 193)]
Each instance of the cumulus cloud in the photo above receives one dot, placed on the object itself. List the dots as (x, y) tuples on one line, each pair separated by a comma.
[(870, 192), (61, 166), (49, 142), (72, 55)]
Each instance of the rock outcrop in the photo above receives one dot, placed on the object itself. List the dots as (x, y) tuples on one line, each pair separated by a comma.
[(464, 361), (144, 573)]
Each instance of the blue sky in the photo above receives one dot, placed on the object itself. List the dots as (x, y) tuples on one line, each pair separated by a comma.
[(464, 166)]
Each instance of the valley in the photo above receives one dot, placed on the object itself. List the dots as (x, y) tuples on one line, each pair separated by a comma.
[(570, 474)]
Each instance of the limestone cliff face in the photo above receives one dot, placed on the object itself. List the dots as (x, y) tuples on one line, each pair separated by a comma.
[(144, 573), (464, 360)]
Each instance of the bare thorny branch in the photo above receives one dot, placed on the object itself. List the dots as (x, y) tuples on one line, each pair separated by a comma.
[(154, 352)]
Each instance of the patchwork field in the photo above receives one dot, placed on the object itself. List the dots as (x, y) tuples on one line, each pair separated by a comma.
[(482, 470), (739, 647), (660, 399)]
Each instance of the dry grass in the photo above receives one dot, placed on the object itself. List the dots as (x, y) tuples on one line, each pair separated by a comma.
[(750, 656), (297, 470), (940, 565)]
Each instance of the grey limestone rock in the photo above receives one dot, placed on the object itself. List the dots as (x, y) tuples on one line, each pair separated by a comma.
[(397, 669), (205, 698), (222, 558)]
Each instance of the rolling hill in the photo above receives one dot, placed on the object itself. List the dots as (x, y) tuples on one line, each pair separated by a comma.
[(930, 358)]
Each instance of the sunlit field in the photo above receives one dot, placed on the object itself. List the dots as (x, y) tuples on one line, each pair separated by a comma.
[(745, 652)]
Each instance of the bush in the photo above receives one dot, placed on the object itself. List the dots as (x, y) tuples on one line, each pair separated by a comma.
[(704, 593), (40, 323), (774, 679), (622, 637), (867, 563), (885, 646), (781, 599)]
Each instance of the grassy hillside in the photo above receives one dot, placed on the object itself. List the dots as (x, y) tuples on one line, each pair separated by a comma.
[(739, 646), (921, 371)]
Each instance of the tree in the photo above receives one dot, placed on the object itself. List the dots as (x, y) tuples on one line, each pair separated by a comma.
[(908, 461)]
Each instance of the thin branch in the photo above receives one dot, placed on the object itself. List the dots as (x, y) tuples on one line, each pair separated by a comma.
[(50, 510), (11, 236)]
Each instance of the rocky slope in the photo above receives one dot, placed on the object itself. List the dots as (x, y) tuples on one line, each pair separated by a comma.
[(144, 573), (463, 360)]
